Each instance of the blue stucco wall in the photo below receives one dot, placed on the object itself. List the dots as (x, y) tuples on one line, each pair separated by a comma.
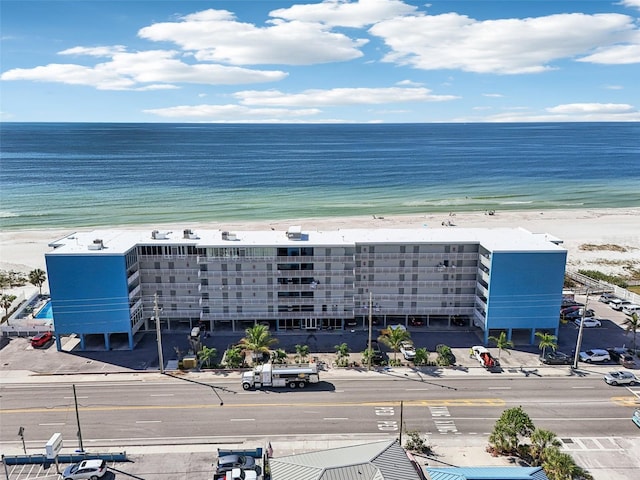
[(89, 293), (525, 290)]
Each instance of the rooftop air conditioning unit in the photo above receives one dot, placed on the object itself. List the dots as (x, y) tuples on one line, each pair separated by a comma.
[(294, 233), (156, 235), (229, 236), (97, 244), (188, 233)]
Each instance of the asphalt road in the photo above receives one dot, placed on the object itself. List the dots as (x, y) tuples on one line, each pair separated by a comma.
[(172, 410)]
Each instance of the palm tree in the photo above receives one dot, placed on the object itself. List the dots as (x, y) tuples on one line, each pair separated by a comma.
[(393, 338), (547, 340), (5, 302), (233, 357), (502, 343), (633, 324), (444, 355), (561, 466), (541, 441), (37, 278), (278, 356), (422, 356), (257, 340), (342, 351), (302, 352), (513, 424), (207, 354)]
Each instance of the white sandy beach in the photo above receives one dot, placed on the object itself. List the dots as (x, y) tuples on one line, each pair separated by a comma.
[(612, 230)]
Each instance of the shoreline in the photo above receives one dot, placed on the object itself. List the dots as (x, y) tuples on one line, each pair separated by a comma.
[(617, 228)]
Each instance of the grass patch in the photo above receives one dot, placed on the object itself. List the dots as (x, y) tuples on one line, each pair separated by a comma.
[(610, 247)]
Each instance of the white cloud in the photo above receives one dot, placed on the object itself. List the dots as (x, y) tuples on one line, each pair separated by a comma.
[(103, 51), (616, 55), (493, 95), (135, 71), (409, 83), (345, 14), (229, 113), (216, 36), (591, 108), (631, 3), (574, 112), (340, 96), (613, 87), (506, 46)]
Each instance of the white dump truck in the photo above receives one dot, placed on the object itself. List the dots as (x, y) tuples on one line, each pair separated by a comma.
[(274, 375)]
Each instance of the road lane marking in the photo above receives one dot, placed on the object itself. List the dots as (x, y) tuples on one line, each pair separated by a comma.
[(51, 424), (416, 389), (242, 419), (162, 395), (439, 412), (388, 426), (461, 402), (583, 388), (499, 388), (148, 421), (69, 398), (335, 418)]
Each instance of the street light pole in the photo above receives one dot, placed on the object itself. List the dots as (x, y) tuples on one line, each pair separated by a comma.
[(75, 400), (576, 357), (370, 327), (156, 312)]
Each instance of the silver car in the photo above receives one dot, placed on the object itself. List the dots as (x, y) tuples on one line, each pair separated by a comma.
[(91, 469), (620, 377)]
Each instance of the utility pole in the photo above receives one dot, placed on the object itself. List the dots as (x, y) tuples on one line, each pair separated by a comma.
[(576, 357), (21, 434), (75, 399), (156, 312), (370, 325)]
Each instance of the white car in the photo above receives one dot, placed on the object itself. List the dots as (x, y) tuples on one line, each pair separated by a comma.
[(595, 355), (91, 469), (618, 303), (631, 309), (620, 377), (588, 322), (408, 351)]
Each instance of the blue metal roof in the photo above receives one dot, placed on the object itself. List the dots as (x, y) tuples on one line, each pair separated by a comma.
[(486, 473)]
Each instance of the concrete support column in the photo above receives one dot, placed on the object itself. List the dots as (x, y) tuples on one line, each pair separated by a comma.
[(82, 341), (130, 341), (107, 343)]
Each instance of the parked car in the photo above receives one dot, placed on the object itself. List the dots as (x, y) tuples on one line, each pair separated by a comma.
[(588, 322), (567, 310), (459, 321), (595, 355), (416, 322), (607, 297), (618, 303), (445, 351), (571, 303), (623, 356), (92, 469), (226, 463), (407, 350), (620, 377), (636, 417), (377, 357), (631, 309), (41, 339), (579, 314), (556, 358)]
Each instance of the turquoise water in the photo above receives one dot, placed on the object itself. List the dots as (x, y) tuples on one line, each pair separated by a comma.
[(45, 312), (81, 175)]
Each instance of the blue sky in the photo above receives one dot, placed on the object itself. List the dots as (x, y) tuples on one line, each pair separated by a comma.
[(359, 61)]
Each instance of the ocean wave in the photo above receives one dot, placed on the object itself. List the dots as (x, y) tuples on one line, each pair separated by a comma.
[(8, 214)]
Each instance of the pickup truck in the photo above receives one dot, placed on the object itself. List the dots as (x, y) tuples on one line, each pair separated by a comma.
[(236, 474), (484, 357)]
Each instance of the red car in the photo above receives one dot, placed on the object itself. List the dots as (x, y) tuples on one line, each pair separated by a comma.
[(41, 339)]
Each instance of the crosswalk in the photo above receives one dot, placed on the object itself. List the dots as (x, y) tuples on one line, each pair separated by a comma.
[(592, 444)]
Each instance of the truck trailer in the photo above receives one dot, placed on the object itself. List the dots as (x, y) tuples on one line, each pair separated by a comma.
[(274, 375)]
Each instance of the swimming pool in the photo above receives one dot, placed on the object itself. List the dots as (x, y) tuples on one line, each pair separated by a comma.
[(45, 312)]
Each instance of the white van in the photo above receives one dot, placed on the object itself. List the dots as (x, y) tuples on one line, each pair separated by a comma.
[(631, 309)]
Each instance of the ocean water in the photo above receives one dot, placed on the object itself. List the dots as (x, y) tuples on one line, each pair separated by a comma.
[(77, 175)]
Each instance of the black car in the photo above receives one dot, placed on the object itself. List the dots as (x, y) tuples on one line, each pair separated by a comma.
[(556, 358), (377, 357), (623, 356), (579, 314)]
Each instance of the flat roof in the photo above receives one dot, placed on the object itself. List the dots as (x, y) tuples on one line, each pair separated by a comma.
[(118, 242)]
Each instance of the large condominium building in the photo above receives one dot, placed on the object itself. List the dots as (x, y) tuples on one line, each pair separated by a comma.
[(117, 282)]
